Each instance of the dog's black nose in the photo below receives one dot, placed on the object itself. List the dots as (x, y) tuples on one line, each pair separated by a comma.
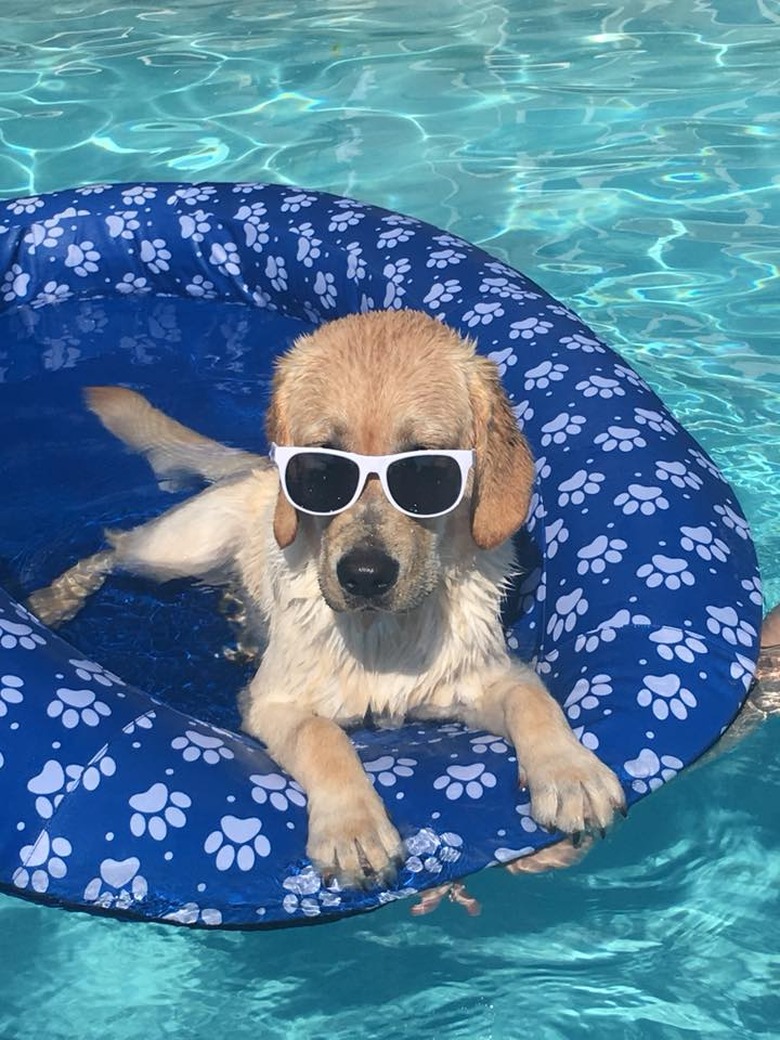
[(366, 572)]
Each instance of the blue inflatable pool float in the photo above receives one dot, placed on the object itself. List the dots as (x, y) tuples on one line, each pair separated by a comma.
[(640, 604)]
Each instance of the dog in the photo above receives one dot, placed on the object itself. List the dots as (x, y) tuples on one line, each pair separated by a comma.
[(372, 554)]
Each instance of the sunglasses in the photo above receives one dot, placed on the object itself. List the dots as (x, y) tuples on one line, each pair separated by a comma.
[(323, 482)]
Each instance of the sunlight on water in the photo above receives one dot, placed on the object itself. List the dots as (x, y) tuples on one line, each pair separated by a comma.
[(626, 157)]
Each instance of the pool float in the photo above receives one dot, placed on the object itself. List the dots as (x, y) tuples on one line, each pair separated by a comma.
[(640, 600)]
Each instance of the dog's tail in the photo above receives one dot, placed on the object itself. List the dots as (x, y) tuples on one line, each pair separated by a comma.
[(172, 450), (64, 598)]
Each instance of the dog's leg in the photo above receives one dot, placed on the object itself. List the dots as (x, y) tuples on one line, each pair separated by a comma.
[(571, 790), (63, 599), (350, 835)]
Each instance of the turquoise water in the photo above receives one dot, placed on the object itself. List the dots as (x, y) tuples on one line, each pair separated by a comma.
[(626, 156)]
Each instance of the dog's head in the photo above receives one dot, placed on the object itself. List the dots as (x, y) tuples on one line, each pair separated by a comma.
[(387, 382)]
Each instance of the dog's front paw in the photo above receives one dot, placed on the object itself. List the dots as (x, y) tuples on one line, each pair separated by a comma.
[(352, 840), (572, 791)]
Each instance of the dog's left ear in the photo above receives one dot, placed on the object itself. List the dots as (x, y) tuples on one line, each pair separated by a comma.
[(277, 431), (504, 467)]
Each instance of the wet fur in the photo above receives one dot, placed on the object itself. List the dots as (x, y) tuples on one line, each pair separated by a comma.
[(431, 645)]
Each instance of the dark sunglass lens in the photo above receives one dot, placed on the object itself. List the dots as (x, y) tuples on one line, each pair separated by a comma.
[(425, 484), (320, 483)]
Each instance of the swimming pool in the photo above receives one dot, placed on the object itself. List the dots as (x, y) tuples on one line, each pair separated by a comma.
[(625, 159)]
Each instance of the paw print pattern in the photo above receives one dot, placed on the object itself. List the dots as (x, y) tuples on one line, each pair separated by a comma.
[(503, 359), (346, 218), (650, 772), (667, 571), (486, 742), (157, 809), (308, 895), (568, 610), (725, 622), (14, 634), (579, 341), (646, 416), (42, 861), (540, 377), (702, 541), (678, 474), (386, 769), (441, 258), (600, 386), (556, 535), (308, 245), (195, 746), (119, 885), (276, 272), (732, 520), (674, 643), (191, 913), (133, 284), (89, 671), (277, 791), (586, 695), (530, 328), (441, 293), (325, 288), (511, 290), (255, 227), (482, 314), (562, 427), (238, 841), (578, 486), (195, 225), (123, 224), (224, 256), (469, 780), (428, 851), (620, 438), (15, 284), (395, 274), (601, 551), (77, 706), (10, 692), (665, 695), (641, 499)]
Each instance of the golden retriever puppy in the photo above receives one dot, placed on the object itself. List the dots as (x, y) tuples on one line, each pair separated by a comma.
[(372, 556)]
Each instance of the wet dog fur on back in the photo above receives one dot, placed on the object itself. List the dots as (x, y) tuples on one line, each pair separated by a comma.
[(425, 640)]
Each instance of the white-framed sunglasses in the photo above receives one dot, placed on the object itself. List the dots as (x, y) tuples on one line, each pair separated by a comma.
[(323, 481)]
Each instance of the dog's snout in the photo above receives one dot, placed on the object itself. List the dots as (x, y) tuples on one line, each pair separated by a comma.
[(366, 572)]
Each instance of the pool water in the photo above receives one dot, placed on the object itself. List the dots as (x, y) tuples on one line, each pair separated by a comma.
[(626, 157)]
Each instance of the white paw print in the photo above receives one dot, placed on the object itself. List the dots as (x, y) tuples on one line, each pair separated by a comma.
[(705, 462), (600, 386), (725, 622), (601, 551), (28, 205), (587, 694), (131, 284), (394, 237), (547, 372), (295, 203), (15, 284), (356, 265), (325, 288), (529, 329), (386, 770), (75, 706), (194, 746), (561, 311), (442, 292), (641, 499), (52, 292), (119, 885), (666, 571), (157, 809), (123, 224), (441, 258), (345, 219), (191, 913), (307, 894), (743, 670), (482, 314), (225, 258), (503, 359), (487, 742), (674, 643), (734, 521), (10, 692), (201, 288), (753, 588), (556, 534), (14, 634), (678, 474), (527, 822), (646, 416), (43, 860), (89, 671), (429, 851), (278, 790), (45, 234), (308, 245), (394, 290), (51, 785), (632, 377), (471, 780), (255, 228), (703, 542), (156, 255), (579, 341), (138, 194), (665, 695), (237, 841), (577, 487), (650, 771), (606, 631), (190, 196), (557, 430), (195, 225), (276, 271), (568, 610), (507, 289), (620, 438)]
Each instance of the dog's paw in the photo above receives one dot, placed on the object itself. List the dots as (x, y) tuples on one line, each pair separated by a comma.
[(352, 840), (572, 791)]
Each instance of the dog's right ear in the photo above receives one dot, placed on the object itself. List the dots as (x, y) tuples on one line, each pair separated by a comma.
[(277, 431)]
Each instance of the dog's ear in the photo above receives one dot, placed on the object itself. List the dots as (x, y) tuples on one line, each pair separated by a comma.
[(504, 468), (277, 431)]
